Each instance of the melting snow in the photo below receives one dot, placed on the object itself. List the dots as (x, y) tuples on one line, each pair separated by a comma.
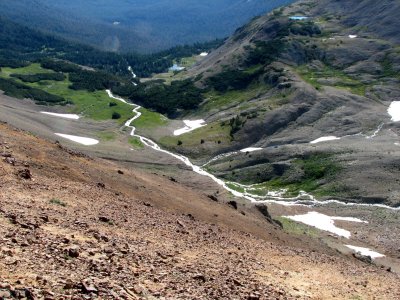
[(394, 111), (79, 139), (298, 18), (324, 139), (365, 251), (352, 36), (189, 126), (250, 149), (324, 222), (203, 54), (66, 116)]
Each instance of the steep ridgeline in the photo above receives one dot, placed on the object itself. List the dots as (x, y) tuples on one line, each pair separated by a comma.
[(309, 86)]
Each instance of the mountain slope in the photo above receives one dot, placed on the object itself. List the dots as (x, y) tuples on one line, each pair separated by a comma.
[(279, 84), (80, 228), (136, 24)]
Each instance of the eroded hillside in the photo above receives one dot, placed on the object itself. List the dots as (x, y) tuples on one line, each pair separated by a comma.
[(77, 227)]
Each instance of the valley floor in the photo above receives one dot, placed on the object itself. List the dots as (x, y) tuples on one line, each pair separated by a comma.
[(76, 227)]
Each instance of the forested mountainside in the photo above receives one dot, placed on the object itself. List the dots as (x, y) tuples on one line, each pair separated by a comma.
[(20, 44), (136, 25)]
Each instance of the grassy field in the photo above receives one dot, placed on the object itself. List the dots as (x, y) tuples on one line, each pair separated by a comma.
[(149, 120), (136, 143), (28, 70), (94, 105), (214, 133), (106, 136)]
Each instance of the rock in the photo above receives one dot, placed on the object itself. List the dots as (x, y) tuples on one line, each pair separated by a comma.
[(74, 251), (101, 185), (200, 277), (180, 223), (173, 179), (104, 219), (138, 289), (45, 218), (233, 204), (25, 174), (363, 258), (89, 288), (4, 294), (10, 160), (120, 172), (213, 198)]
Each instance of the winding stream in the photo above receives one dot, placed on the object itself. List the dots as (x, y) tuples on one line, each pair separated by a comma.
[(274, 197)]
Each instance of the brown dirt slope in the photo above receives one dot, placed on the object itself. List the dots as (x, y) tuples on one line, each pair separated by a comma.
[(73, 227)]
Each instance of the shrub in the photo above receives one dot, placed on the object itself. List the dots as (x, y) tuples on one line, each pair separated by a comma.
[(116, 116)]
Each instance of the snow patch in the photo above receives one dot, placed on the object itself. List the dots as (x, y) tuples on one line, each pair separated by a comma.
[(66, 116), (250, 149), (324, 139), (203, 54), (352, 36), (79, 139), (175, 67), (324, 222), (365, 251), (189, 126), (298, 18), (394, 111)]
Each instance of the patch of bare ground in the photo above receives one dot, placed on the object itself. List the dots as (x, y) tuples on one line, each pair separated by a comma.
[(73, 227)]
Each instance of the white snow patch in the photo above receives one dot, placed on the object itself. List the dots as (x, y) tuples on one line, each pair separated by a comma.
[(397, 144), (203, 54), (324, 222), (394, 111), (324, 139), (352, 36), (250, 149), (116, 23), (189, 126), (66, 116), (365, 251), (131, 70), (79, 139)]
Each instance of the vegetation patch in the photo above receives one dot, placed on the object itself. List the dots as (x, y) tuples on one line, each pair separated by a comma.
[(213, 133), (149, 120), (136, 143), (59, 202), (95, 105), (311, 174), (106, 136), (235, 187), (330, 76), (218, 100), (18, 90), (39, 77), (296, 228), (165, 99)]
